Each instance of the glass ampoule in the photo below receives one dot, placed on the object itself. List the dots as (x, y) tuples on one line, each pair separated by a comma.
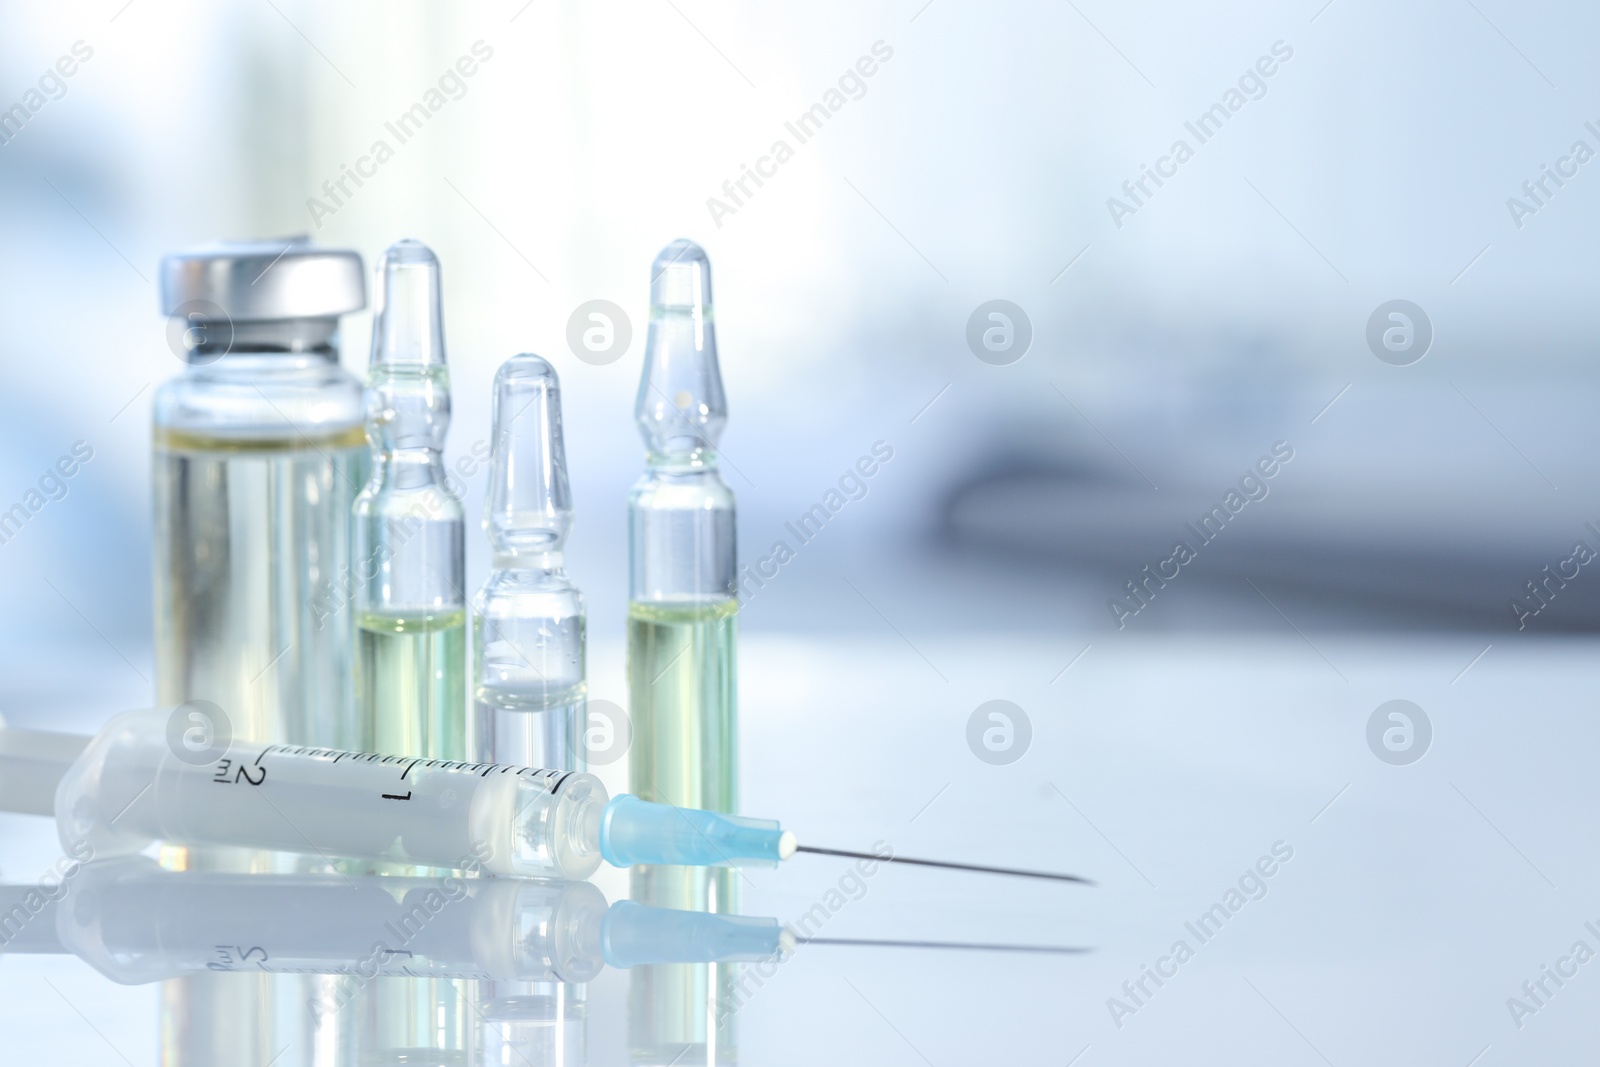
[(529, 689), (681, 636), (410, 543), (682, 606), (528, 682), (409, 527)]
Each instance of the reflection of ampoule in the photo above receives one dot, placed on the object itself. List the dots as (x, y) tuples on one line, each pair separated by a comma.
[(681, 628), (527, 620), (409, 527)]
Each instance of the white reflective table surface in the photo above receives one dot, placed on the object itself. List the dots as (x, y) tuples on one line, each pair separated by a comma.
[(1333, 906)]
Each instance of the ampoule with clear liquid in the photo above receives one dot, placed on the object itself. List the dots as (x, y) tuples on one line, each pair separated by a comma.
[(682, 625), (409, 527), (529, 689)]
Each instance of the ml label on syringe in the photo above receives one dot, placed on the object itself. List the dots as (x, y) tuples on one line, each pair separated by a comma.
[(233, 771)]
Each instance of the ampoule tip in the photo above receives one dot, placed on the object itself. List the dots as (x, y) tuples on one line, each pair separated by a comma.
[(409, 324), (680, 277), (530, 502)]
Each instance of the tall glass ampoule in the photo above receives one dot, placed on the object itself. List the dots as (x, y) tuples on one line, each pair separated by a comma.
[(411, 609), (409, 527), (529, 689), (681, 634)]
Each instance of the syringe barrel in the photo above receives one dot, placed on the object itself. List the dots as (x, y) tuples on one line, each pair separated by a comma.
[(131, 787)]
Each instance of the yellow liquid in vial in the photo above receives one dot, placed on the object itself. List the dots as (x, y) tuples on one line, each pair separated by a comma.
[(413, 683), (252, 559), (681, 687)]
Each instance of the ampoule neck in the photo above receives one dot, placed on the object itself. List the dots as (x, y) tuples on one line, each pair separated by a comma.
[(425, 461), (687, 462), (548, 562), (407, 450), (407, 469), (408, 410)]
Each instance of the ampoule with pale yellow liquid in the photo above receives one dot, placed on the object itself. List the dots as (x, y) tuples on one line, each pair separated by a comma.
[(682, 623), (412, 638), (409, 527)]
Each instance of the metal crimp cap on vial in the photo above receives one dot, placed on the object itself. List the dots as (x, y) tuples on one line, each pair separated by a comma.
[(256, 281)]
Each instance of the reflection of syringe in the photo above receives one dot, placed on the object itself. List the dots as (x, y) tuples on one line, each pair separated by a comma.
[(136, 923), (129, 788)]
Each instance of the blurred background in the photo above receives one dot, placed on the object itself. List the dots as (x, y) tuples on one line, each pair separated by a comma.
[(1178, 332), (1171, 347)]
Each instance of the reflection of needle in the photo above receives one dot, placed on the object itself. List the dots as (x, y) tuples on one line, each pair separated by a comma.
[(1059, 949), (942, 863)]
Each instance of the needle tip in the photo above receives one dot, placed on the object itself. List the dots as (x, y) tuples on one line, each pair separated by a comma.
[(976, 868)]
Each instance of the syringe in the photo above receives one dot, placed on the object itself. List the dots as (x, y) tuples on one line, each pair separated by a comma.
[(130, 787)]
